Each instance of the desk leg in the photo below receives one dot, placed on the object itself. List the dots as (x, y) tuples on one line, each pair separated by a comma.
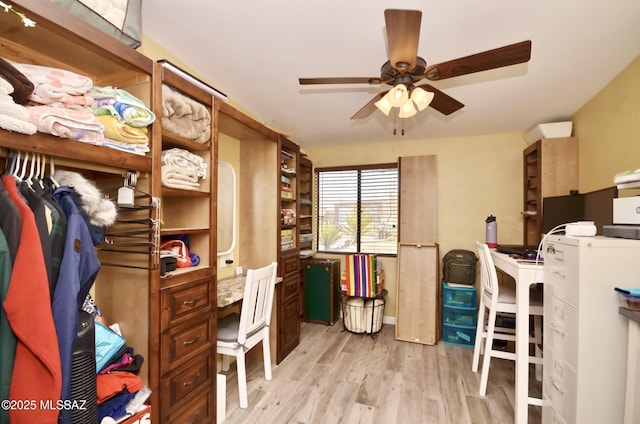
[(522, 351)]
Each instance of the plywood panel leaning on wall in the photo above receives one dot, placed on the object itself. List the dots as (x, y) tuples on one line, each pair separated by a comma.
[(418, 297), (418, 195), (418, 307)]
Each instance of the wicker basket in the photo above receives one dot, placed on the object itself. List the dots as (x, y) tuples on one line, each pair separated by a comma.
[(362, 315)]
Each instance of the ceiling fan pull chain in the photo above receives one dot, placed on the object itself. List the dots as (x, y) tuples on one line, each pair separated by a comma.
[(395, 124)]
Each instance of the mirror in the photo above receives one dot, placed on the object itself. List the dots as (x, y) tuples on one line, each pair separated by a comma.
[(226, 208)]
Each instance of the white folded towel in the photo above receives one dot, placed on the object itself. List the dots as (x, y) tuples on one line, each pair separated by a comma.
[(175, 177), (14, 117), (5, 87), (185, 159)]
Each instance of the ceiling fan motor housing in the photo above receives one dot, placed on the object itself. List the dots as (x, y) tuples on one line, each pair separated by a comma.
[(394, 76)]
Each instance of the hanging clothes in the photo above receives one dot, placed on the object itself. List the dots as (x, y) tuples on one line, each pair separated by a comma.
[(7, 338), (36, 370), (10, 223), (57, 231), (34, 201), (78, 271)]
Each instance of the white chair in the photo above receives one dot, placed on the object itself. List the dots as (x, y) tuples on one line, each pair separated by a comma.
[(239, 333), (500, 299)]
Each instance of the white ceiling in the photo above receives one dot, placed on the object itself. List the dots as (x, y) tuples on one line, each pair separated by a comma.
[(255, 51)]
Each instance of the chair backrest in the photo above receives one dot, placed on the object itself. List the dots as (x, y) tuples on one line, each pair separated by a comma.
[(488, 275), (257, 301)]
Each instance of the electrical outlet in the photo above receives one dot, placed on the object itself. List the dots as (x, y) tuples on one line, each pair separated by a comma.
[(226, 260)]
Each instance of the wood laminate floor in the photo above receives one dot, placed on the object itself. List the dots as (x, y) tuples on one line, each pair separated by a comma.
[(334, 376)]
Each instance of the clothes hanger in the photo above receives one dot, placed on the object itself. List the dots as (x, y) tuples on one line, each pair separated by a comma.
[(14, 162), (32, 171), (52, 171), (25, 165)]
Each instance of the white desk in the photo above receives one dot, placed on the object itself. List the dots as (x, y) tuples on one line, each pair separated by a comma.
[(525, 274)]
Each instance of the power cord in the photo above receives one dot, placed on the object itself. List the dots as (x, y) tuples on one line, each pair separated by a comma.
[(555, 230)]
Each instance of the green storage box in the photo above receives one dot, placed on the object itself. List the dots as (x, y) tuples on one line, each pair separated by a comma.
[(321, 290)]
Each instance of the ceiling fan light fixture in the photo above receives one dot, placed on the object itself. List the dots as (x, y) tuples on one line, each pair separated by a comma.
[(422, 98), (398, 95), (384, 105), (407, 110)]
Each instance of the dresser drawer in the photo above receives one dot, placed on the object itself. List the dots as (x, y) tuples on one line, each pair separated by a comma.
[(290, 286), (183, 302), (289, 326), (186, 384), (197, 412), (561, 275), (289, 264), (560, 385), (561, 329), (183, 343)]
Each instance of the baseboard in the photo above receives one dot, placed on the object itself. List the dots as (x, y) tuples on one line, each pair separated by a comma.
[(389, 320)]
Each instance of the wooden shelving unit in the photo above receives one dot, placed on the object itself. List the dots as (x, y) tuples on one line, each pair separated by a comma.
[(288, 296), (550, 169)]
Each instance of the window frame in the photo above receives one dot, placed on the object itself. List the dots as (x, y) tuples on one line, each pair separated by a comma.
[(358, 168)]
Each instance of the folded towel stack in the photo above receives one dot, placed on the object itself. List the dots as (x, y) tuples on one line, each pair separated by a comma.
[(80, 125), (60, 105), (125, 119), (13, 117), (57, 87), (184, 116), (182, 169), (121, 104)]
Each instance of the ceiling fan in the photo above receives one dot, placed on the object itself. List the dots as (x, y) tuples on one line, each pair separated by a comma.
[(405, 68)]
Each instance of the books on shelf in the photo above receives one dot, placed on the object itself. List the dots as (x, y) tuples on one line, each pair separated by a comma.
[(286, 239), (286, 194), (288, 216)]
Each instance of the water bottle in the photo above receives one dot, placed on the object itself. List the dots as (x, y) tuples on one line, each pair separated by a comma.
[(492, 231)]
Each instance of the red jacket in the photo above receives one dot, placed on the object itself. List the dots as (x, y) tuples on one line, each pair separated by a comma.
[(36, 372)]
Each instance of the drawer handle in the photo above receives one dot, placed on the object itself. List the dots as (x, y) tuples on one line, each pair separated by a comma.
[(192, 341), (556, 385), (192, 302), (190, 382), (195, 419), (557, 329), (558, 273)]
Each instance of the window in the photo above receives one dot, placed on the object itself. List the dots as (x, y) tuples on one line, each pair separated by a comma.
[(358, 209)]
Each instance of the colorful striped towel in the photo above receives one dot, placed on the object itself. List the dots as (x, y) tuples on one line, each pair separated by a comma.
[(361, 275)]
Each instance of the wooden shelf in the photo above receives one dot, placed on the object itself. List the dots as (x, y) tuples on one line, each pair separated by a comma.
[(176, 231), (176, 192), (75, 150), (170, 140)]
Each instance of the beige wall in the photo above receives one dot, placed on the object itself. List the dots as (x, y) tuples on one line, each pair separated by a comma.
[(608, 130), (477, 176)]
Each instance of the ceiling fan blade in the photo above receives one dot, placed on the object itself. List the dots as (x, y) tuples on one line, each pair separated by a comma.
[(441, 102), (369, 108), (338, 80), (491, 59), (403, 33)]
